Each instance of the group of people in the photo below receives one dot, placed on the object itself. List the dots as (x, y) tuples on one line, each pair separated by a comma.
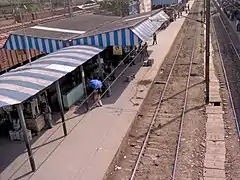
[(101, 82), (108, 73)]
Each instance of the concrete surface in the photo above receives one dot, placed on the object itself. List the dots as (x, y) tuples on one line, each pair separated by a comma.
[(214, 162), (94, 138)]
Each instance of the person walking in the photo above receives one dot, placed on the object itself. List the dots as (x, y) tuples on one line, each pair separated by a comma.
[(154, 38)]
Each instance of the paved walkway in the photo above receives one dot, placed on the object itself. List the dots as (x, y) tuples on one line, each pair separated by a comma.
[(215, 145), (94, 138)]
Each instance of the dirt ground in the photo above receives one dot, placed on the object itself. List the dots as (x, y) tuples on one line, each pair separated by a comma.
[(158, 158)]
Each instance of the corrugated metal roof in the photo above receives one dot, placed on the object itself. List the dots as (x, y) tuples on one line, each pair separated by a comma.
[(124, 22), (84, 22), (20, 84), (146, 29), (127, 31), (90, 23)]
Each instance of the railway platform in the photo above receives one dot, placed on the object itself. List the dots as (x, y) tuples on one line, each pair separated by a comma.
[(94, 138)]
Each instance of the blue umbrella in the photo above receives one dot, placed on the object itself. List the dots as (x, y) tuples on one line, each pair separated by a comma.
[(95, 84)]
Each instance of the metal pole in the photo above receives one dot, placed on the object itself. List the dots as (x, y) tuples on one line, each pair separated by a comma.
[(204, 11), (207, 54), (59, 96), (84, 85), (70, 8), (24, 128), (24, 33), (138, 6), (51, 7)]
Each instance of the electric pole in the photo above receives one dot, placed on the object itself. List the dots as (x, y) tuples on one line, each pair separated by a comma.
[(207, 53), (51, 6), (24, 32), (204, 9), (70, 7)]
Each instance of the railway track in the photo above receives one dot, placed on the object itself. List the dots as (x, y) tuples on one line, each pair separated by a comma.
[(155, 141), (225, 42), (149, 147)]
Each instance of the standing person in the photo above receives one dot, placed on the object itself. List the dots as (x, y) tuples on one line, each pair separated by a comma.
[(106, 83), (132, 56), (145, 51), (238, 25), (109, 71), (154, 38), (97, 90), (97, 97), (175, 16), (48, 115)]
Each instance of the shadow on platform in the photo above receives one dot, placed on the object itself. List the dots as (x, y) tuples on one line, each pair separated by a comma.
[(11, 150)]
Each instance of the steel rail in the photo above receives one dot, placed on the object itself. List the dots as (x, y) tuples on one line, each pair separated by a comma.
[(158, 107), (224, 69), (184, 108)]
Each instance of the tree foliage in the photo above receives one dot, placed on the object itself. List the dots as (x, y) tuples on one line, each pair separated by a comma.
[(117, 7)]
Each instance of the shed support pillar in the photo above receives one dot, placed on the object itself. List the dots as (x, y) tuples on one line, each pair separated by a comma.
[(84, 87), (59, 96), (26, 139)]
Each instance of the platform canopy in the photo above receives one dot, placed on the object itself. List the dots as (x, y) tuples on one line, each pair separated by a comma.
[(89, 29), (20, 84)]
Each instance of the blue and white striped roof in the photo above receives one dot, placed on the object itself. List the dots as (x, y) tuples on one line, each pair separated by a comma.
[(122, 37), (146, 29), (130, 32), (20, 84)]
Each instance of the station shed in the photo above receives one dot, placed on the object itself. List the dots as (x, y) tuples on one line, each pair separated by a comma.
[(25, 82), (89, 29)]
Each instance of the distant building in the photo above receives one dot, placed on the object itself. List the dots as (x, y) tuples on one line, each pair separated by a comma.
[(145, 5)]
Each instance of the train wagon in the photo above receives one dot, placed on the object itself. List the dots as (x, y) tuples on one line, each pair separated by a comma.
[(156, 4), (167, 2)]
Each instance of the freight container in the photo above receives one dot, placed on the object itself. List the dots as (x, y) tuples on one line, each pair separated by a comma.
[(13, 58)]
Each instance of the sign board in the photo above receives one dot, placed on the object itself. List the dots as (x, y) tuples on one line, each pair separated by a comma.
[(117, 50)]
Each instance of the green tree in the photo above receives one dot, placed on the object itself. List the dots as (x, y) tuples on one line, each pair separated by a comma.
[(117, 7)]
